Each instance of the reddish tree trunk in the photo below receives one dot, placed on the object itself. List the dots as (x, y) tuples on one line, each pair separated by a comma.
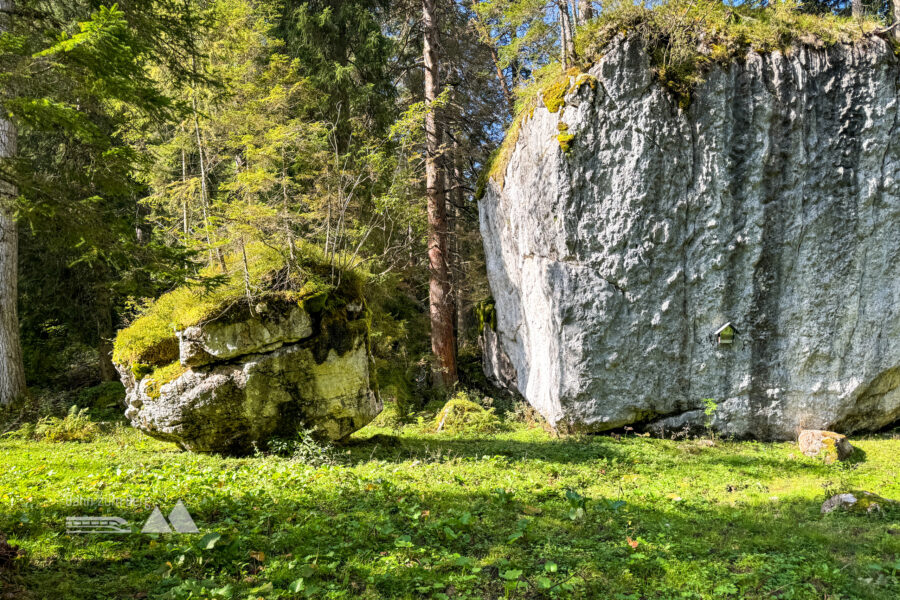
[(12, 370), (443, 341)]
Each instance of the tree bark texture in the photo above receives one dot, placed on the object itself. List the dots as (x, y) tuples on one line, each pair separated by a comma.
[(12, 370), (443, 342), (105, 334), (567, 42), (895, 18), (585, 11)]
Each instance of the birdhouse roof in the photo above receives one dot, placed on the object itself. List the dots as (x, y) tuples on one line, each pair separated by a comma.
[(726, 326)]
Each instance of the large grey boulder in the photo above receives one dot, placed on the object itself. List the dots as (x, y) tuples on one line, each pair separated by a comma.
[(241, 382), (771, 203), (264, 331)]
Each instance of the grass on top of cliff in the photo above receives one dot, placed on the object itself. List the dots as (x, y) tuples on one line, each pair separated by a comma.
[(408, 513), (150, 340), (684, 40)]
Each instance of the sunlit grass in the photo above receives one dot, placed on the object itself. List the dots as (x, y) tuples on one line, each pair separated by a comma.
[(417, 515)]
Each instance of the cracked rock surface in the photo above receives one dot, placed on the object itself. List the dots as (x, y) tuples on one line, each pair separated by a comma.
[(772, 202), (246, 381)]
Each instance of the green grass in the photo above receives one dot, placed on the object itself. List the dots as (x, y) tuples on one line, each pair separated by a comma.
[(418, 515)]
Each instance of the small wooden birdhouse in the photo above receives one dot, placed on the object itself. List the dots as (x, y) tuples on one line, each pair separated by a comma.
[(725, 334)]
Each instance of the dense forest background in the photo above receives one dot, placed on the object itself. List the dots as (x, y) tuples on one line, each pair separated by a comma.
[(143, 143)]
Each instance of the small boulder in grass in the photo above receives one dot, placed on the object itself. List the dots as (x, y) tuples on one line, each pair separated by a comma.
[(857, 502), (828, 445)]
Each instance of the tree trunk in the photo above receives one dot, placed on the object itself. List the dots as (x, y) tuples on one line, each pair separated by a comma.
[(895, 18), (184, 201), (567, 42), (105, 333), (204, 190), (495, 57), (443, 343), (856, 8), (12, 369), (585, 11), (563, 42), (459, 274), (514, 66)]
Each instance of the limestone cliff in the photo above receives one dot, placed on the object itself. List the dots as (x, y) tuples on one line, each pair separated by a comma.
[(624, 231)]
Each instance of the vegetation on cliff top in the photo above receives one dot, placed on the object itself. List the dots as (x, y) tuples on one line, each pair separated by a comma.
[(684, 39), (150, 341)]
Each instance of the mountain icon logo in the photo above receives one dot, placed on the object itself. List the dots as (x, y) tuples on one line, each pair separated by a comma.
[(180, 521)]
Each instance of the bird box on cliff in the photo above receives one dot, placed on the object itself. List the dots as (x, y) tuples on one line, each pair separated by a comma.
[(725, 334)]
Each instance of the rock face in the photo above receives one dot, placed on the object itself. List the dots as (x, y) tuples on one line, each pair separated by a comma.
[(243, 381), (772, 203)]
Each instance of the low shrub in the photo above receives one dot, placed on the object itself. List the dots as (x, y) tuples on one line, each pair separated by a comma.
[(76, 426), (305, 448)]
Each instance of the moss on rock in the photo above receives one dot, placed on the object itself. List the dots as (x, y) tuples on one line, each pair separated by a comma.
[(685, 39), (486, 314), (161, 376), (151, 340), (461, 415)]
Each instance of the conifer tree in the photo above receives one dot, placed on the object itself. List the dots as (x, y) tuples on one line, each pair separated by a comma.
[(12, 370)]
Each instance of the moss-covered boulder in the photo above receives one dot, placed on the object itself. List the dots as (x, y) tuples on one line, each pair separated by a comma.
[(859, 502), (461, 415), (226, 371)]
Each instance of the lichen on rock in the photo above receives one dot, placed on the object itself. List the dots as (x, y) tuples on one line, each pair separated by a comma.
[(858, 502)]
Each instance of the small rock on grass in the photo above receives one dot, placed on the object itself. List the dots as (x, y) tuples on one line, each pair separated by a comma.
[(828, 445), (857, 502)]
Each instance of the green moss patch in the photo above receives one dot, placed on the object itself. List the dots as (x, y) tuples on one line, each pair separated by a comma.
[(686, 38), (486, 314), (151, 340), (161, 376), (550, 87), (564, 138), (461, 415)]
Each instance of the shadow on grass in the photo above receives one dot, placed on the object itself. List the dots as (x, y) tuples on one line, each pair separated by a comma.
[(577, 450), (396, 540)]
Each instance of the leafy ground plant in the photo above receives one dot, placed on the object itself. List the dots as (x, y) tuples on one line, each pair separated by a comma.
[(76, 426), (519, 514)]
